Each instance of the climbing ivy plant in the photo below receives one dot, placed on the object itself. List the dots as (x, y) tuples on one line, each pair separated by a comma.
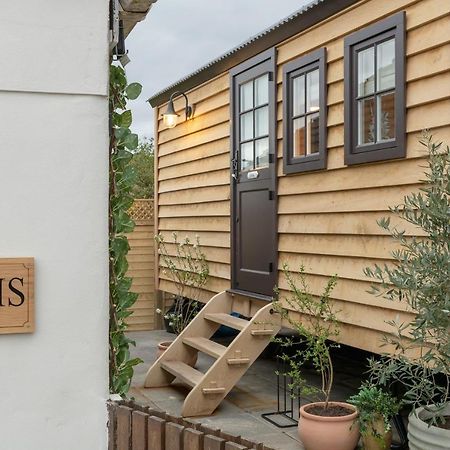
[(121, 178)]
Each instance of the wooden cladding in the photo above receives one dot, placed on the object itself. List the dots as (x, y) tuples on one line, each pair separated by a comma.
[(16, 295), (134, 427), (328, 218)]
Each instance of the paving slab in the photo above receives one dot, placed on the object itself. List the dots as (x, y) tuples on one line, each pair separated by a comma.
[(255, 394)]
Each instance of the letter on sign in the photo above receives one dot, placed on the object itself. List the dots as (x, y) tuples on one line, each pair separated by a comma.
[(16, 295)]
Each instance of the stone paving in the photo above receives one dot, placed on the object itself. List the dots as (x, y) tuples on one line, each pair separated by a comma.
[(255, 394)]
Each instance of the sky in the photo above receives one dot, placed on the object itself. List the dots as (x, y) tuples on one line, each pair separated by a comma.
[(179, 36)]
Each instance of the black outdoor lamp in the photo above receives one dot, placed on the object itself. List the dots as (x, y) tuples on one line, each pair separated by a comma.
[(170, 117)]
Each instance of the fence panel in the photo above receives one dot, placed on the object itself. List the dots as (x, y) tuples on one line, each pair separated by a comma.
[(129, 423), (141, 259)]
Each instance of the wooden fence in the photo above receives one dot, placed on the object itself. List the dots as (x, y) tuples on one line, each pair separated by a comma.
[(141, 259), (134, 427)]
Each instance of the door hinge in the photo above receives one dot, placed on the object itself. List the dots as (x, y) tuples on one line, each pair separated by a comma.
[(270, 267), (271, 158), (270, 76), (271, 195)]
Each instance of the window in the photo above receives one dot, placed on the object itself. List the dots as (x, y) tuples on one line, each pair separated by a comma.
[(375, 92), (254, 123), (304, 95), (253, 118)]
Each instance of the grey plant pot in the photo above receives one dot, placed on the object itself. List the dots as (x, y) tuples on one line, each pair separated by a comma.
[(422, 437)]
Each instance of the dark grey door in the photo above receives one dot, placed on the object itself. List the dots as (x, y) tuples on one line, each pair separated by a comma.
[(253, 177)]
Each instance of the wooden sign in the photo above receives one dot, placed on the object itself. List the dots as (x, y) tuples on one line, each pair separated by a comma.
[(16, 295)]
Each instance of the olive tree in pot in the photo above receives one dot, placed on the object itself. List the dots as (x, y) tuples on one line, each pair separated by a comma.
[(420, 277), (184, 262), (325, 424), (376, 409)]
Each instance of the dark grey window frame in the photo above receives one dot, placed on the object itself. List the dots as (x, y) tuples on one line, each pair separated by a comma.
[(393, 26), (311, 61)]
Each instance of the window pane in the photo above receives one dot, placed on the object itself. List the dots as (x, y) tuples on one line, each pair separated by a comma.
[(366, 121), (386, 116), (262, 121), (298, 95), (366, 71), (247, 126), (312, 133), (299, 137), (386, 65), (247, 156), (312, 91), (246, 96), (262, 90), (262, 153)]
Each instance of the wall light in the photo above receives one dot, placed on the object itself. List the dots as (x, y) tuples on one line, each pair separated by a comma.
[(170, 117)]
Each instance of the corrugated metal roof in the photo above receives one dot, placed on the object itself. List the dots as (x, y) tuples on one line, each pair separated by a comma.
[(314, 11)]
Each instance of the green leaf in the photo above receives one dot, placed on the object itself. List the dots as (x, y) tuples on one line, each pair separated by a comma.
[(126, 118), (121, 158), (121, 133), (131, 141), (133, 91), (119, 245)]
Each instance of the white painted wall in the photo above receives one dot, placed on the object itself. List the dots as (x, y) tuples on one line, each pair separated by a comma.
[(53, 206)]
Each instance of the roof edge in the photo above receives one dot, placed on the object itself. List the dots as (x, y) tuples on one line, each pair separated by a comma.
[(311, 14)]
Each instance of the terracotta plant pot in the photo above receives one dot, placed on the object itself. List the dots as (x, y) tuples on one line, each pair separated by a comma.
[(421, 436), (164, 345), (328, 433), (370, 442)]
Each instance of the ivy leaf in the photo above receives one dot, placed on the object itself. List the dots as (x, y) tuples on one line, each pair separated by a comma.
[(121, 158), (123, 222), (126, 118), (133, 91), (117, 76), (119, 245), (131, 141), (121, 266), (121, 133)]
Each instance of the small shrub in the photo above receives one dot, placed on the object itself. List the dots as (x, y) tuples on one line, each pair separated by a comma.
[(373, 403), (317, 327), (421, 279), (188, 269)]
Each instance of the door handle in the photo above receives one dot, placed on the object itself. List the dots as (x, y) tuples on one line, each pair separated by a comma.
[(234, 166)]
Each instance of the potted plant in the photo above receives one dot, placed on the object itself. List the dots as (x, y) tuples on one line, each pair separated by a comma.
[(376, 409), (420, 277), (325, 424), (185, 264)]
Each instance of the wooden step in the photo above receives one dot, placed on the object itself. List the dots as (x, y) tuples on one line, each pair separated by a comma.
[(226, 319), (262, 332), (207, 346), (183, 372)]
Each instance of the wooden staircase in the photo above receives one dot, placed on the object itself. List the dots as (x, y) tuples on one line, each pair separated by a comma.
[(211, 387)]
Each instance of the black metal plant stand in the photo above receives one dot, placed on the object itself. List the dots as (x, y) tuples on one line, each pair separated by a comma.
[(285, 400), (402, 434)]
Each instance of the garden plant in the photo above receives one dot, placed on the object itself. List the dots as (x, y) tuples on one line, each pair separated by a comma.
[(314, 319), (376, 409), (420, 278), (121, 179), (188, 268)]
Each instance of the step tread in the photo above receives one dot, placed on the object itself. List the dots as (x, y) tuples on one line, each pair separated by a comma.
[(228, 320), (184, 372), (206, 346)]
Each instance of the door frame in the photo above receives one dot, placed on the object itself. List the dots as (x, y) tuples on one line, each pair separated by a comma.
[(266, 57)]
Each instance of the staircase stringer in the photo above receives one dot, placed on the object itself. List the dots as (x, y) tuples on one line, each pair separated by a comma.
[(224, 374), (199, 326)]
